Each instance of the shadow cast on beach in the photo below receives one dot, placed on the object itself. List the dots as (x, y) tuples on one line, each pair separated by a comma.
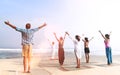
[(70, 64), (66, 67), (105, 65), (72, 67)]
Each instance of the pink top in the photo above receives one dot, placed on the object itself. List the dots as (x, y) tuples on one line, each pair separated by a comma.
[(107, 44)]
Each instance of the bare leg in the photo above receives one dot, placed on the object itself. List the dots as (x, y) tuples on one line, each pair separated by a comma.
[(24, 63), (78, 63), (88, 58), (29, 64)]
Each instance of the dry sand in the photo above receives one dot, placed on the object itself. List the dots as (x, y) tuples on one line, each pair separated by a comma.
[(43, 65)]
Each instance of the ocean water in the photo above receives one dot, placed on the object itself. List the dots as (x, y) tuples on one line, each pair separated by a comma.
[(9, 54), (97, 52), (16, 53)]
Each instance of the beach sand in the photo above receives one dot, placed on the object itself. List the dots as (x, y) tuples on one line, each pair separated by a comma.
[(43, 65)]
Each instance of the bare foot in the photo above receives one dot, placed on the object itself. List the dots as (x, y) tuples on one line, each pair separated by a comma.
[(28, 72), (77, 66)]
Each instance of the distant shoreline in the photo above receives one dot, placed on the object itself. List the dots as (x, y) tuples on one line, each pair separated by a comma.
[(16, 53), (92, 52)]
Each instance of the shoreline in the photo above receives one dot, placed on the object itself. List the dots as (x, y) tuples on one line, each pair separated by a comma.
[(98, 52), (17, 54)]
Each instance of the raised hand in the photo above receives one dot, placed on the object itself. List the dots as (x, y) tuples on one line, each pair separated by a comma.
[(99, 31), (67, 33), (44, 24), (54, 33), (7, 22)]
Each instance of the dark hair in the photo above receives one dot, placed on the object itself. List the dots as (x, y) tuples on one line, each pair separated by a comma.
[(77, 37), (86, 39), (28, 26), (107, 36)]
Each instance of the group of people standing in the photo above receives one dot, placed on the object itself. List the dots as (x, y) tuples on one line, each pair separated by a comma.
[(27, 42), (77, 48)]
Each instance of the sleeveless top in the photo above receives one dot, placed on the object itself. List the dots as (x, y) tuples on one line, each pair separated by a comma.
[(107, 43)]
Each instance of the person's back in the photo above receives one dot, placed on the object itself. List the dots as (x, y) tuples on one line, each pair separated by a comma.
[(27, 35), (107, 47), (60, 49), (61, 42), (27, 42), (107, 43)]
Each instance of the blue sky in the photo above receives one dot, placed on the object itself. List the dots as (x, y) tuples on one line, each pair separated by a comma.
[(75, 16), (20, 12)]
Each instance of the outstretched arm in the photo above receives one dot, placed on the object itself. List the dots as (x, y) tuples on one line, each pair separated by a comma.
[(91, 38), (42, 26), (12, 26), (102, 34), (69, 35), (83, 40), (56, 36), (64, 35)]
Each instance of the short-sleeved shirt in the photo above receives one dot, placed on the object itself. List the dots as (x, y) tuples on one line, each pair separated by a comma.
[(27, 35)]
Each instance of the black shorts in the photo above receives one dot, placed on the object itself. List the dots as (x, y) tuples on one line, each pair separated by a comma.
[(87, 50)]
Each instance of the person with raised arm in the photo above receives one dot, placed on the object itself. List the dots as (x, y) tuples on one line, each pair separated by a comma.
[(27, 42), (86, 48), (77, 48), (107, 47), (61, 55), (52, 44)]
